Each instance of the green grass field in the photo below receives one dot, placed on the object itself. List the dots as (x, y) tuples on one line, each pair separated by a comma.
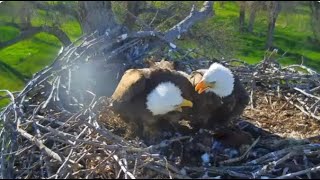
[(289, 37), (23, 59), (292, 32)]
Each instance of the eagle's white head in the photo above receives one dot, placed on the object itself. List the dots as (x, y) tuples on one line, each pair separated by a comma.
[(166, 97), (217, 79)]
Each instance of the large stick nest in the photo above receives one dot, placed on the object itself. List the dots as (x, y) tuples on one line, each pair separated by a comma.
[(59, 125)]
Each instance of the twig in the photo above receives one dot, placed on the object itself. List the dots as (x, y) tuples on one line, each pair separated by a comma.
[(58, 173), (8, 95), (40, 145), (307, 94), (164, 172), (277, 154), (292, 175), (230, 161), (124, 169), (302, 109), (270, 166)]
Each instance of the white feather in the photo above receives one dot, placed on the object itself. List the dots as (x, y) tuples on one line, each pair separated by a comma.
[(223, 78), (164, 98)]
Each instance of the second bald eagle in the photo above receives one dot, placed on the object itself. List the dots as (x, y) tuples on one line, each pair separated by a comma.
[(221, 96)]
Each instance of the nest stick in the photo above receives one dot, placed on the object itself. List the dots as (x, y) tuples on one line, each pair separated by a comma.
[(123, 168), (230, 161), (40, 145), (292, 175)]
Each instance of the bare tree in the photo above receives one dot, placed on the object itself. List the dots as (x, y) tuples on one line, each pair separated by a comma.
[(25, 15), (315, 18), (27, 30), (222, 3), (254, 7), (274, 8), (242, 15), (134, 8), (96, 15)]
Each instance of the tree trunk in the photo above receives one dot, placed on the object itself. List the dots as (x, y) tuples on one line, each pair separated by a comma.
[(274, 10), (222, 3), (242, 16), (315, 19), (96, 15), (271, 26), (25, 15), (58, 33), (251, 19), (254, 7), (31, 31), (134, 9)]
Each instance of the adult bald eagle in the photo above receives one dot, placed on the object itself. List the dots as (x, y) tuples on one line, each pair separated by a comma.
[(221, 97), (152, 97), (218, 98)]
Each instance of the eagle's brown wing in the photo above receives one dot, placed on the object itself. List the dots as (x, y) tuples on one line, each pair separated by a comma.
[(132, 82), (240, 99), (163, 64)]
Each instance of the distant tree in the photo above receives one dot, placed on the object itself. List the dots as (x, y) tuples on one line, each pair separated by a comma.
[(26, 10), (315, 18), (119, 17), (24, 13), (222, 3), (274, 8), (134, 8), (242, 15), (254, 7), (96, 15)]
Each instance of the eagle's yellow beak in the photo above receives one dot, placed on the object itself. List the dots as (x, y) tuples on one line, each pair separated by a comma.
[(202, 86), (185, 103)]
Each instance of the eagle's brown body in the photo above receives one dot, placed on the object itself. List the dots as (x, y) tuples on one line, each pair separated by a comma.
[(209, 110), (130, 96), (213, 112)]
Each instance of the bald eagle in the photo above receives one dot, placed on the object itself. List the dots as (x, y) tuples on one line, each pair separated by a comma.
[(221, 97), (218, 98), (151, 97)]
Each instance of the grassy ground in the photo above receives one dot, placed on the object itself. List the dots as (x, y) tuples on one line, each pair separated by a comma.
[(21, 60), (292, 35)]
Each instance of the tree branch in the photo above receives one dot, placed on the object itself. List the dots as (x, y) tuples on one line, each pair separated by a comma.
[(190, 20), (164, 12), (28, 33), (61, 35), (59, 7), (12, 24)]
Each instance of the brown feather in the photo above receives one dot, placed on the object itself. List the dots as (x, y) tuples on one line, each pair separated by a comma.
[(129, 98), (171, 65), (214, 112), (132, 82)]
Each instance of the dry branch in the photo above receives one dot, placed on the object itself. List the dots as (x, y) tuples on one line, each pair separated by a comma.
[(55, 124)]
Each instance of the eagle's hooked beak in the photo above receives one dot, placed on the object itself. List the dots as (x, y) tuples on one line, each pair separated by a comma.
[(202, 86), (185, 103)]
